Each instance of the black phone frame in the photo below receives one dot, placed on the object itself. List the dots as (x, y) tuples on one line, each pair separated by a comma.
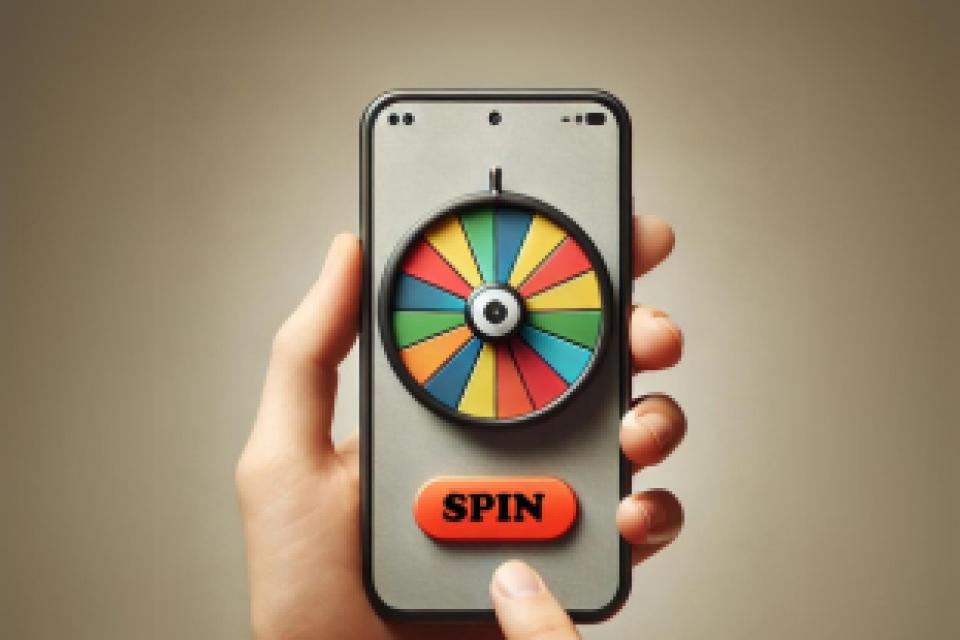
[(625, 199)]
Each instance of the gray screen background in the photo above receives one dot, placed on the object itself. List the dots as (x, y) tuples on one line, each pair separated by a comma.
[(446, 154)]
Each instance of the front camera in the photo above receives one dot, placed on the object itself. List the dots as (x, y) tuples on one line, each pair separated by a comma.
[(408, 118), (495, 118), (393, 118), (596, 118)]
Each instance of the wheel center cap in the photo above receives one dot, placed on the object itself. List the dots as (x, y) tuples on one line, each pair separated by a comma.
[(494, 312)]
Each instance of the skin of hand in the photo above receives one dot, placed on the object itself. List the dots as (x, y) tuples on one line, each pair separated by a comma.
[(299, 492)]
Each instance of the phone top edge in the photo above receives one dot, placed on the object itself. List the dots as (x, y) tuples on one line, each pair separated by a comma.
[(600, 96)]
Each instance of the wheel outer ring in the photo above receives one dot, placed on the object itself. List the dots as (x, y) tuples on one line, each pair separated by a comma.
[(460, 205)]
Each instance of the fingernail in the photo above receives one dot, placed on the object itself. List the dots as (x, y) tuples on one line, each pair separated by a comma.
[(334, 248), (657, 322), (656, 424), (517, 580), (660, 529)]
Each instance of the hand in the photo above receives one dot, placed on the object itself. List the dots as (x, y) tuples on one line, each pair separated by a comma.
[(299, 494)]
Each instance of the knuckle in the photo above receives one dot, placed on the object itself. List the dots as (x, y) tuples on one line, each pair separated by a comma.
[(351, 475), (248, 469), (284, 340), (241, 473)]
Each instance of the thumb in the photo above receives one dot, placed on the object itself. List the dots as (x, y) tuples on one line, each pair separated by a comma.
[(525, 608), (296, 409)]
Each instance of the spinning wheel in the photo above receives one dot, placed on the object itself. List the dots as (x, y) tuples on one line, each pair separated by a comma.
[(494, 310)]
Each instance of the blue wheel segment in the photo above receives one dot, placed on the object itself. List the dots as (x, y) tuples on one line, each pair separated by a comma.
[(510, 229), (448, 383), (566, 358), (413, 294)]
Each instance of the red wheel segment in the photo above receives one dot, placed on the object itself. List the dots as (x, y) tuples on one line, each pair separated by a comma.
[(544, 384), (425, 263), (566, 261), (512, 399)]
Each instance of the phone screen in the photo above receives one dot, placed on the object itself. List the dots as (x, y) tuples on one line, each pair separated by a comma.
[(420, 153)]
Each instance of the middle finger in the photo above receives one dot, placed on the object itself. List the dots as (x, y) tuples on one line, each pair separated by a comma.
[(655, 341)]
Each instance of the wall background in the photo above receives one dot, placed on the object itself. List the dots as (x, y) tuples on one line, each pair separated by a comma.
[(171, 174)]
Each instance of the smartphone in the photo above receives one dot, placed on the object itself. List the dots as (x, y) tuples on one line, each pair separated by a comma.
[(497, 231)]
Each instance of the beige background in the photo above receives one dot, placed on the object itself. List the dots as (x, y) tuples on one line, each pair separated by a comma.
[(171, 174)]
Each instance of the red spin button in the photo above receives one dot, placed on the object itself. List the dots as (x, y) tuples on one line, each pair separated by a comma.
[(495, 508)]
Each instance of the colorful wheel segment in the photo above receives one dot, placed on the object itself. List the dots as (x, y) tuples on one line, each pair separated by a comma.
[(495, 312)]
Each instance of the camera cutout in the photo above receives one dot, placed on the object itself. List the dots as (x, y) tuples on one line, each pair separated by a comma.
[(408, 118), (596, 118), (495, 118), (393, 118)]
